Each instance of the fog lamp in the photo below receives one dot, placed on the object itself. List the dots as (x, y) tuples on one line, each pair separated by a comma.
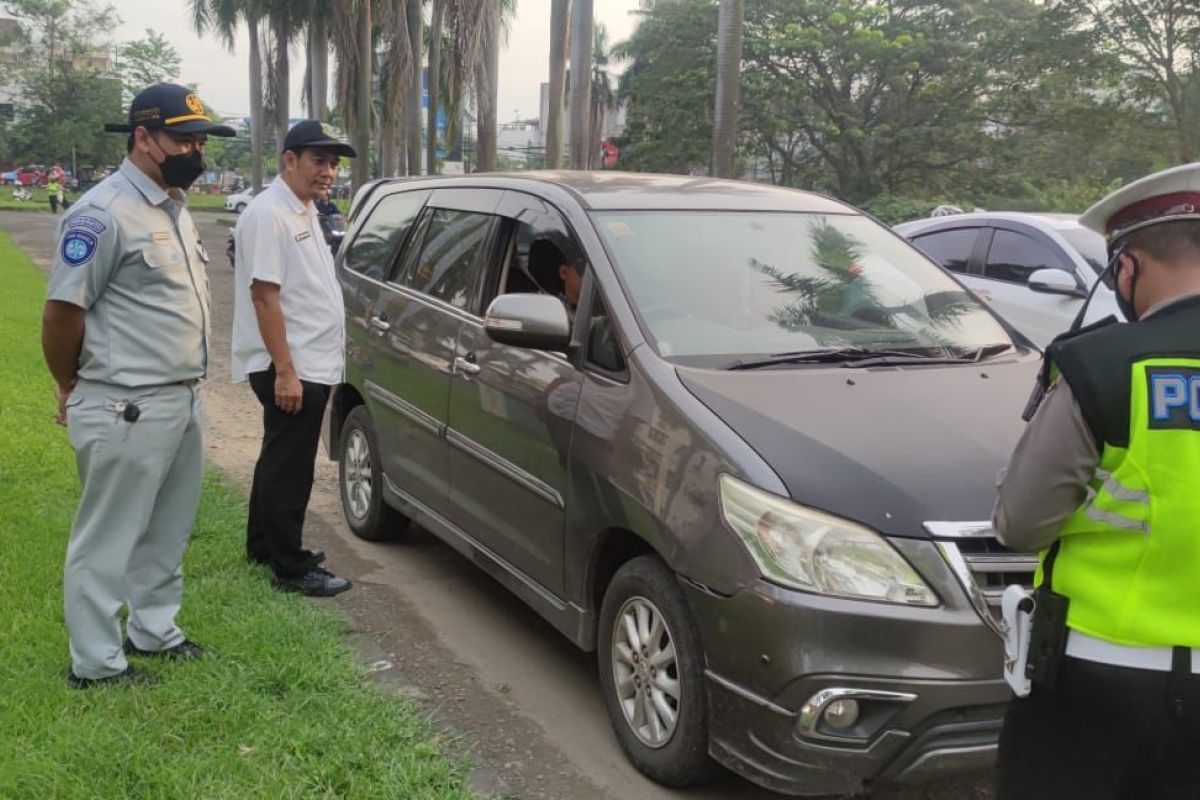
[(842, 714)]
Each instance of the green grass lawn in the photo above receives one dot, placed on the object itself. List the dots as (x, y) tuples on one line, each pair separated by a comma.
[(282, 711)]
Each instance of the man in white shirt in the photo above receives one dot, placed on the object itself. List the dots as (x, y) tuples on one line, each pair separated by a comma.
[(288, 341)]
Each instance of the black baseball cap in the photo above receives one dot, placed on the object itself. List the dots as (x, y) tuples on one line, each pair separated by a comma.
[(314, 133), (169, 107)]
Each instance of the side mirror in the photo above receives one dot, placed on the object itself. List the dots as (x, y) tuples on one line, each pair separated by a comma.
[(1056, 281), (536, 321)]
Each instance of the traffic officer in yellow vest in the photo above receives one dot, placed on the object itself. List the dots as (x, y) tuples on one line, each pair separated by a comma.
[(125, 335), (1105, 482)]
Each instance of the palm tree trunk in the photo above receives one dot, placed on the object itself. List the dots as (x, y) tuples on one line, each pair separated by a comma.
[(412, 111), (282, 79), (256, 105), (596, 134), (560, 20), (729, 65), (581, 85), (360, 169), (487, 84), (433, 88), (318, 67)]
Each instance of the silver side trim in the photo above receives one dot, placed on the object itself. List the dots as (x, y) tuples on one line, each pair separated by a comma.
[(506, 468), (961, 530), (405, 408), (958, 565), (551, 599)]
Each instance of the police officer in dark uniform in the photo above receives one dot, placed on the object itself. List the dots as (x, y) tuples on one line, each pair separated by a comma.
[(125, 335), (1105, 482)]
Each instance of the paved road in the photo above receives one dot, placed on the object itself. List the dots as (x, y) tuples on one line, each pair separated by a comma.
[(525, 701)]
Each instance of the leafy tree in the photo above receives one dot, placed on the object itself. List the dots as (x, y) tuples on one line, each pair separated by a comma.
[(147, 61), (670, 86), (65, 91), (1156, 43)]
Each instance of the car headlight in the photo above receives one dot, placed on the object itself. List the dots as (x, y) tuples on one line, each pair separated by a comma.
[(810, 550)]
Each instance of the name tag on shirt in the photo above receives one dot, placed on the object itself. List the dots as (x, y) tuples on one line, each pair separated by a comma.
[(302, 235), (160, 236)]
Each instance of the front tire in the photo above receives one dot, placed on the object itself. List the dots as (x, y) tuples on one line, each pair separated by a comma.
[(360, 481), (652, 674), (240, 208)]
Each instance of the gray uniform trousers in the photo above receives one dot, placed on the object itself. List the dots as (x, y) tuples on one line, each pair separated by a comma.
[(141, 487)]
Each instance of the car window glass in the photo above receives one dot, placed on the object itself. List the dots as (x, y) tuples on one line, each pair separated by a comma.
[(447, 266), (951, 249), (375, 246), (541, 245), (603, 346), (1014, 257)]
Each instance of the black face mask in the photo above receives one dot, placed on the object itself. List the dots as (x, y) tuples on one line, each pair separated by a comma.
[(1125, 304), (181, 170)]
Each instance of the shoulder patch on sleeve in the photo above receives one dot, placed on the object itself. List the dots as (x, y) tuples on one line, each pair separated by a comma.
[(78, 247), (81, 221)]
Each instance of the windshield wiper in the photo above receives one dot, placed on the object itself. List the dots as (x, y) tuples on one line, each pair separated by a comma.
[(826, 355), (859, 357), (895, 359)]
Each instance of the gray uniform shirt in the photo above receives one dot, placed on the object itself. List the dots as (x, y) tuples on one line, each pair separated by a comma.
[(1048, 474), (129, 255)]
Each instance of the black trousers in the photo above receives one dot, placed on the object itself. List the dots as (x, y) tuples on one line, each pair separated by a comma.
[(1104, 733), (283, 477)]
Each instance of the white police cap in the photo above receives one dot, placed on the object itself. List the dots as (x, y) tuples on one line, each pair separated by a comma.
[(1167, 196)]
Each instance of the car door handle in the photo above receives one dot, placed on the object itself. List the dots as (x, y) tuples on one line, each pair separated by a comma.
[(467, 368), (380, 324)]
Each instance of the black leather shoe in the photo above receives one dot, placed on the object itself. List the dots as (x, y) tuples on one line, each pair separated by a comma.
[(317, 556), (132, 676), (184, 651), (314, 583)]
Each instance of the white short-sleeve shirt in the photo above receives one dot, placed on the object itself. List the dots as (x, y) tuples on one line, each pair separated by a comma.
[(278, 240)]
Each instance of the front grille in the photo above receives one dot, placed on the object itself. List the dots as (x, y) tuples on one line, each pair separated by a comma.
[(982, 565)]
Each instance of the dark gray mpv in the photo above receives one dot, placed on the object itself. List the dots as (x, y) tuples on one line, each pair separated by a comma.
[(736, 439)]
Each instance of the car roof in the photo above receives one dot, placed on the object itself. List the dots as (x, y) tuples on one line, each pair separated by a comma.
[(605, 191), (1055, 221)]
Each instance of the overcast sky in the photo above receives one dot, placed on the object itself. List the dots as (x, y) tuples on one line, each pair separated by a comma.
[(222, 76)]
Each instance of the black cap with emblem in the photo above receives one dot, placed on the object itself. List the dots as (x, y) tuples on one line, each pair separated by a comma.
[(314, 133), (169, 107)]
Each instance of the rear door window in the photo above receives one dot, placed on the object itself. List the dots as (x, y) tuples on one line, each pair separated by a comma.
[(952, 248), (1013, 257), (379, 239), (448, 264)]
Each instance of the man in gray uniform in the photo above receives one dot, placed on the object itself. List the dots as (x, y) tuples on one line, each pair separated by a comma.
[(125, 335)]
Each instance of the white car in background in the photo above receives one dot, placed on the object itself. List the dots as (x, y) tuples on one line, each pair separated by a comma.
[(1035, 270), (238, 202)]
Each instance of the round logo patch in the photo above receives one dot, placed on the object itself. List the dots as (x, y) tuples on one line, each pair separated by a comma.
[(78, 247), (193, 103)]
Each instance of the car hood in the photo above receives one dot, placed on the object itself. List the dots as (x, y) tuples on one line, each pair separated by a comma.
[(891, 448)]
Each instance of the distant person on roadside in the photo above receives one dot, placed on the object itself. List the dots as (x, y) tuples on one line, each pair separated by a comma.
[(288, 341), (125, 335), (55, 193), (333, 224)]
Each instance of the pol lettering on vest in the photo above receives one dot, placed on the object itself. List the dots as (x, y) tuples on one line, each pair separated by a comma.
[(1174, 398)]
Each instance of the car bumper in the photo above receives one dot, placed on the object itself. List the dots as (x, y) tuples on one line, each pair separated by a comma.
[(927, 680)]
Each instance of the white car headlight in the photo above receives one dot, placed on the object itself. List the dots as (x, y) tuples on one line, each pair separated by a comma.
[(810, 550)]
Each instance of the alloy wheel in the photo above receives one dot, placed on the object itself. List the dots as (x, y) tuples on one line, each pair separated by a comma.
[(646, 671), (357, 471)]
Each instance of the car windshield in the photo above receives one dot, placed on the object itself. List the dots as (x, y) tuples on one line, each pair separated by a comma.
[(1089, 244), (760, 283)]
